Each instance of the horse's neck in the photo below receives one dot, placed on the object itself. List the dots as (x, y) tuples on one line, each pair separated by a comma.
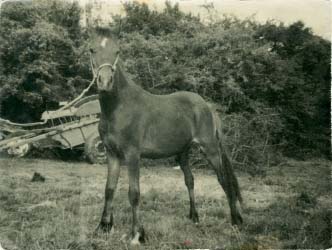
[(124, 91)]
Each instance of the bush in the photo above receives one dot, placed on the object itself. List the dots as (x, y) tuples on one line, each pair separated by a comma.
[(40, 55), (248, 68), (271, 81)]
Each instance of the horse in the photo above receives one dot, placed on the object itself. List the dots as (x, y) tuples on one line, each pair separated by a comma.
[(136, 124)]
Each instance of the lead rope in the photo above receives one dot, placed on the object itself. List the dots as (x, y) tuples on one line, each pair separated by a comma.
[(95, 76), (68, 105), (86, 89)]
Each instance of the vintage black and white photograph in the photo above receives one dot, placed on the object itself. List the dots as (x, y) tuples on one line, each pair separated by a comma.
[(165, 124)]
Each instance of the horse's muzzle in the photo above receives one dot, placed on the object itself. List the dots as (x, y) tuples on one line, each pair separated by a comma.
[(105, 80)]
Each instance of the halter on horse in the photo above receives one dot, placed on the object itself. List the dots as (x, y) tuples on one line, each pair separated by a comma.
[(136, 124)]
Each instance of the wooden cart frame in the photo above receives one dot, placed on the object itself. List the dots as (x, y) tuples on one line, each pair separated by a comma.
[(72, 126)]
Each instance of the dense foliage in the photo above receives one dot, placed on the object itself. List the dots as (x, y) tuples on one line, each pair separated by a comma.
[(270, 81), (41, 55)]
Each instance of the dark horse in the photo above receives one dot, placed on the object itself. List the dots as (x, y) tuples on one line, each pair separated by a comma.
[(135, 123)]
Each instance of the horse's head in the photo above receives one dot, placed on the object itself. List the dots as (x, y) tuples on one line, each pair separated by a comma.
[(104, 58)]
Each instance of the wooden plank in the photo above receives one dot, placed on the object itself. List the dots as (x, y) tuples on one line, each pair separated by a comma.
[(76, 135), (28, 140), (59, 129), (3, 143), (48, 115), (13, 124), (89, 108)]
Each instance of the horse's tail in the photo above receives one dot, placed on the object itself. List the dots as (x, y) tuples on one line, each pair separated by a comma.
[(226, 169)]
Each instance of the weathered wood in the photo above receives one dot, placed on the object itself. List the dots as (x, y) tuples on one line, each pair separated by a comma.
[(19, 141), (33, 137), (48, 115), (4, 123), (4, 143), (85, 109), (76, 136), (89, 108)]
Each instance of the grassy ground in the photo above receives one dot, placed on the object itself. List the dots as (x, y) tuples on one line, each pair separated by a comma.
[(288, 208)]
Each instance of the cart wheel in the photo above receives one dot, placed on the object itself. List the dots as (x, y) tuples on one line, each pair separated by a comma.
[(94, 149)]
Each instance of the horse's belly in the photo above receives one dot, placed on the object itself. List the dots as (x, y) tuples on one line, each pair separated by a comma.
[(152, 154), (161, 151), (161, 143)]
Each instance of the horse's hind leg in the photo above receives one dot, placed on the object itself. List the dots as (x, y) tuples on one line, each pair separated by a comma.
[(221, 164), (189, 181), (113, 171)]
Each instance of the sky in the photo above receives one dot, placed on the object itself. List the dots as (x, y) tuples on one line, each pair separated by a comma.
[(316, 14)]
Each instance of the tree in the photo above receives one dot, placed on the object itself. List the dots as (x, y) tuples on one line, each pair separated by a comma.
[(244, 66), (271, 80), (305, 102), (40, 56)]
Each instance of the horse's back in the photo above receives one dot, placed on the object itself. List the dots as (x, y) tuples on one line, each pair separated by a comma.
[(189, 101), (186, 96), (202, 113), (186, 110)]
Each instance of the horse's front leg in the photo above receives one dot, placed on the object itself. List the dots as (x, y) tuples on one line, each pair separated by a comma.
[(137, 232), (113, 171)]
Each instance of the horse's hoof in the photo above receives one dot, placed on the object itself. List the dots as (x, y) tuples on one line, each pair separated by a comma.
[(134, 243), (104, 228), (194, 217), (138, 238), (237, 220)]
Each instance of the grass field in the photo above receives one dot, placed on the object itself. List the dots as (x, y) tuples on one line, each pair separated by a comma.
[(289, 208)]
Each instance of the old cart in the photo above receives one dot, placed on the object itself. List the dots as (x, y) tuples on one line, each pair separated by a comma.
[(71, 126)]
